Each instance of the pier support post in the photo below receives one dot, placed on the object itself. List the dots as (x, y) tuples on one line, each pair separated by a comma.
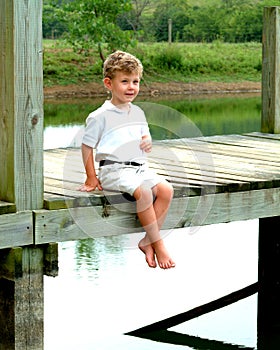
[(21, 159), (22, 295), (21, 103), (21, 299), (271, 71), (269, 281)]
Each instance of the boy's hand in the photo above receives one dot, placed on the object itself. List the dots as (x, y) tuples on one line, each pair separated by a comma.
[(90, 185), (146, 144)]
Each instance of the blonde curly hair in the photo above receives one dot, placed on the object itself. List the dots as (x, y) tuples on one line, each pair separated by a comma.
[(120, 61)]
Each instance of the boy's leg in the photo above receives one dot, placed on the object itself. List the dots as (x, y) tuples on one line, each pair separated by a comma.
[(151, 216), (164, 194), (147, 217)]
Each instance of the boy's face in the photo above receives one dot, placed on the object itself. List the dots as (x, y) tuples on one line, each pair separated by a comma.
[(124, 87)]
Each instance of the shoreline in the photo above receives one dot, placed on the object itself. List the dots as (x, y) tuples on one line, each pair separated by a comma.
[(155, 89)]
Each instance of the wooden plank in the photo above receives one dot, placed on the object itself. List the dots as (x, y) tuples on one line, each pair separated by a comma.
[(21, 109), (227, 207), (16, 229), (218, 174), (247, 144), (222, 169), (270, 71), (264, 135), (6, 208), (223, 172), (204, 144), (190, 174), (218, 154), (229, 148), (115, 219), (81, 223), (52, 201)]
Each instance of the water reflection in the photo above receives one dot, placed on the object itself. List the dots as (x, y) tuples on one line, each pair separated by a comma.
[(225, 115), (197, 343), (90, 253), (270, 341)]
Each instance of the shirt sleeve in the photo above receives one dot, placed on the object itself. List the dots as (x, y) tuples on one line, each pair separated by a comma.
[(146, 130), (92, 132)]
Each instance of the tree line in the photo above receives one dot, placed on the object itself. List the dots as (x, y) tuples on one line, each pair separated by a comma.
[(87, 24)]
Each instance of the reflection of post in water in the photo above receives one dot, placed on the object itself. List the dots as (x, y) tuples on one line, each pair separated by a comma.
[(158, 331), (269, 280)]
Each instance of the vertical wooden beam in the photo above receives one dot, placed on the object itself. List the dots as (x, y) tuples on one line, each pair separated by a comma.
[(271, 71), (169, 31), (21, 159), (21, 103), (21, 299), (22, 295), (269, 277), (51, 259)]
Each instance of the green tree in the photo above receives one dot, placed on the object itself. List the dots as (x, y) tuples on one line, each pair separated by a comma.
[(132, 19), (52, 25), (177, 11), (240, 20), (92, 23), (203, 24), (228, 20)]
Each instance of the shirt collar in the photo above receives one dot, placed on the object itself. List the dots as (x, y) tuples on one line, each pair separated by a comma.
[(109, 105)]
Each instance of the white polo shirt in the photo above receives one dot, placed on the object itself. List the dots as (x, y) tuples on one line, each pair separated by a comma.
[(115, 133)]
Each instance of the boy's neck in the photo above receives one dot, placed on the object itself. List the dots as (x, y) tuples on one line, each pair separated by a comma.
[(123, 106)]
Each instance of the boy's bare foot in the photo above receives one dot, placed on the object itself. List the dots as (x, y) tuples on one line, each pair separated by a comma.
[(148, 250), (163, 258)]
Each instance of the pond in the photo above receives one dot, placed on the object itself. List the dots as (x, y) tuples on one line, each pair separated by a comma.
[(167, 117), (105, 289)]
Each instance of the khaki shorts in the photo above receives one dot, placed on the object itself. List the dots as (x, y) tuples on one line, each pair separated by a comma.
[(127, 178)]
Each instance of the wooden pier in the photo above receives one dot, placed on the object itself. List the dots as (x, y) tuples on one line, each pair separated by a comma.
[(216, 179)]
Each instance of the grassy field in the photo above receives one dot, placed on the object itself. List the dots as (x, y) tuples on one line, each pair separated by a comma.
[(180, 62)]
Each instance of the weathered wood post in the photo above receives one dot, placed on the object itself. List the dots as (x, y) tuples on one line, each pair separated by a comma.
[(271, 71), (21, 159), (269, 228)]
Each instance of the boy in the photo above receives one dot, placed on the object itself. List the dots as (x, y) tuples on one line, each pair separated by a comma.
[(119, 132)]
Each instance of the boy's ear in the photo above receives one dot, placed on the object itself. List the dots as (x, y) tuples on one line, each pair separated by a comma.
[(107, 83)]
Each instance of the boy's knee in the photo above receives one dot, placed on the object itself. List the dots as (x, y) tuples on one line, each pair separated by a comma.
[(170, 189), (143, 193), (165, 190)]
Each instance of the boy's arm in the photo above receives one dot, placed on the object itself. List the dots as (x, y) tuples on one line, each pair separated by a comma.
[(146, 143), (92, 181)]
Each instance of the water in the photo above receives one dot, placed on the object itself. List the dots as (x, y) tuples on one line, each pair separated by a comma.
[(167, 118), (105, 289)]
